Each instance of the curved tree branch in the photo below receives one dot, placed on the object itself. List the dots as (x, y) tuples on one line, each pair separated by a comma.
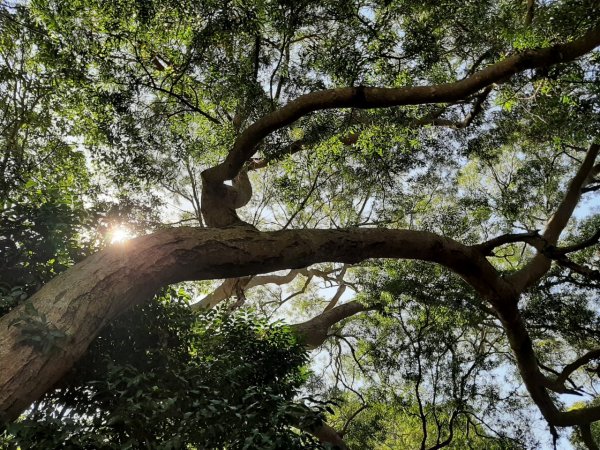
[(540, 263), (592, 240), (217, 214), (316, 330), (531, 237), (367, 97), (352, 138), (73, 307), (579, 362)]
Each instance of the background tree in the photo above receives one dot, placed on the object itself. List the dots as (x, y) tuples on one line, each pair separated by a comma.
[(459, 135)]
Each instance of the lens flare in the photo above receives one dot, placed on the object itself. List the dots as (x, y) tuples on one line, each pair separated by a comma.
[(120, 234)]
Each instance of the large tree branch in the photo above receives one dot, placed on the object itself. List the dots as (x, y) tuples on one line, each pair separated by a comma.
[(518, 337), (371, 97), (565, 210), (587, 437), (540, 263), (535, 382), (352, 138), (219, 214), (323, 432), (72, 308), (316, 330), (327, 434)]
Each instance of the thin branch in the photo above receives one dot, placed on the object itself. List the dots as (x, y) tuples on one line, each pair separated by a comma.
[(182, 99), (475, 111), (448, 440), (351, 418), (540, 263), (579, 362), (303, 203)]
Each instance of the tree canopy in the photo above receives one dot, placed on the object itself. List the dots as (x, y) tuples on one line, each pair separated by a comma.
[(299, 224)]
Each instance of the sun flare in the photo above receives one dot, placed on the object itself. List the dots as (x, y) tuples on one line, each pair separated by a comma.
[(120, 234)]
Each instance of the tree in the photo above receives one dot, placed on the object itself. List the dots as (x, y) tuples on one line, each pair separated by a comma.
[(463, 136)]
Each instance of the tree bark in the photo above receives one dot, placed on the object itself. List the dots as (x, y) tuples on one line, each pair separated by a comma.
[(325, 433), (78, 303), (218, 213), (315, 331)]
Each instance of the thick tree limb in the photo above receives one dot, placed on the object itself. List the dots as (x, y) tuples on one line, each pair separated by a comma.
[(565, 210), (587, 437), (325, 433), (219, 201), (367, 97), (512, 321), (535, 382), (78, 303), (218, 214), (352, 138)]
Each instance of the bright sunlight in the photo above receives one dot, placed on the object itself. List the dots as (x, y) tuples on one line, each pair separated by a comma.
[(119, 234)]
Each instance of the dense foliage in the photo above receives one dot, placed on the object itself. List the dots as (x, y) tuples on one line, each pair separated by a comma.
[(162, 377), (109, 113)]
